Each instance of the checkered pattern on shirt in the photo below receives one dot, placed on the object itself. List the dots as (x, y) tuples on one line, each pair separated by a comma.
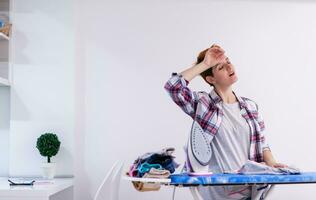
[(206, 109)]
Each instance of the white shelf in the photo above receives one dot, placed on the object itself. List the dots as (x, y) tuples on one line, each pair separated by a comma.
[(3, 37), (4, 82)]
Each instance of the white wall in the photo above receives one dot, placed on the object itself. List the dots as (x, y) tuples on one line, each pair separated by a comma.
[(42, 91), (125, 51), (109, 98)]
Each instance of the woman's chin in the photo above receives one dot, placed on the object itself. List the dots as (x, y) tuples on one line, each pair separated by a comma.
[(234, 79)]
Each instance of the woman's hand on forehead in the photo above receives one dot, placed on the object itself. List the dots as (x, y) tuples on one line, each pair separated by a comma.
[(215, 56)]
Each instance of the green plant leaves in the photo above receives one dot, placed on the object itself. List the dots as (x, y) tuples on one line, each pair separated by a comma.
[(48, 145)]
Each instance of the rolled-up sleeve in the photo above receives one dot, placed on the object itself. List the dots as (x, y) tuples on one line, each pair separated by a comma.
[(263, 139), (177, 88), (264, 143)]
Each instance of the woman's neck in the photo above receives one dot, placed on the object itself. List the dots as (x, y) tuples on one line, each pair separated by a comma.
[(226, 94)]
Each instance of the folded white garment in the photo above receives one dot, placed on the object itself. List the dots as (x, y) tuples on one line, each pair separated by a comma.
[(252, 167)]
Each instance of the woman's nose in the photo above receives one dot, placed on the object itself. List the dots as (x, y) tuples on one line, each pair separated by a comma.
[(229, 67)]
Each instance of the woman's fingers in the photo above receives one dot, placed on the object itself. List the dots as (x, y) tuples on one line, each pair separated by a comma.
[(279, 165), (217, 50), (215, 45)]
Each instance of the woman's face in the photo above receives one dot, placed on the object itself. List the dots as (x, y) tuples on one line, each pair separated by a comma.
[(225, 74)]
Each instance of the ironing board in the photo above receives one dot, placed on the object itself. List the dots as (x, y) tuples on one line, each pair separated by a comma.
[(240, 179), (185, 180)]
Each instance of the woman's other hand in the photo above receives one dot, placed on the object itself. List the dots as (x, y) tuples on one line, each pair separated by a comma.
[(275, 164), (278, 165)]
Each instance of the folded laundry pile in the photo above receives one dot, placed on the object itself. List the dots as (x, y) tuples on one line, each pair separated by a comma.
[(251, 167), (158, 164)]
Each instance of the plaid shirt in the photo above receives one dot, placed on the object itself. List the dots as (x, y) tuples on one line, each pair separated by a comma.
[(206, 109)]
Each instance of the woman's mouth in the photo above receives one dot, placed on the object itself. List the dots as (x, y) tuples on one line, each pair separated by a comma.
[(232, 74)]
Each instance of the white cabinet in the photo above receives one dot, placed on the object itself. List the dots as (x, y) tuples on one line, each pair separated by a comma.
[(4, 45), (55, 189)]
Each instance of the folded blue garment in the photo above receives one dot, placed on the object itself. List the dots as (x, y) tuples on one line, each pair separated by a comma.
[(162, 159), (145, 167), (251, 167)]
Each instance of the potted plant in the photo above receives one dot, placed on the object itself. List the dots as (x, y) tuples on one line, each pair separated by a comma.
[(48, 146)]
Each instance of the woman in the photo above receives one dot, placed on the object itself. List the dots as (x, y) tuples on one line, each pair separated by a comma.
[(233, 121)]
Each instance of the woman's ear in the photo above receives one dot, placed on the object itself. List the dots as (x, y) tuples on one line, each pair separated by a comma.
[(210, 79)]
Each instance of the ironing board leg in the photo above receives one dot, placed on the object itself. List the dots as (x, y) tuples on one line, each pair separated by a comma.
[(262, 194), (174, 193), (195, 193), (271, 188)]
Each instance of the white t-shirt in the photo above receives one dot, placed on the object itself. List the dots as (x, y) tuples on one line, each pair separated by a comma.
[(230, 148)]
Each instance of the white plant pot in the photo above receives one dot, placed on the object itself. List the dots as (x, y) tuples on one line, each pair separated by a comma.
[(49, 170)]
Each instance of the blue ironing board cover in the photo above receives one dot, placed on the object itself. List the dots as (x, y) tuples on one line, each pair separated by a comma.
[(238, 179)]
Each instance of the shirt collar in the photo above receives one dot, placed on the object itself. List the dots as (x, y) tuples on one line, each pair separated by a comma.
[(217, 99)]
